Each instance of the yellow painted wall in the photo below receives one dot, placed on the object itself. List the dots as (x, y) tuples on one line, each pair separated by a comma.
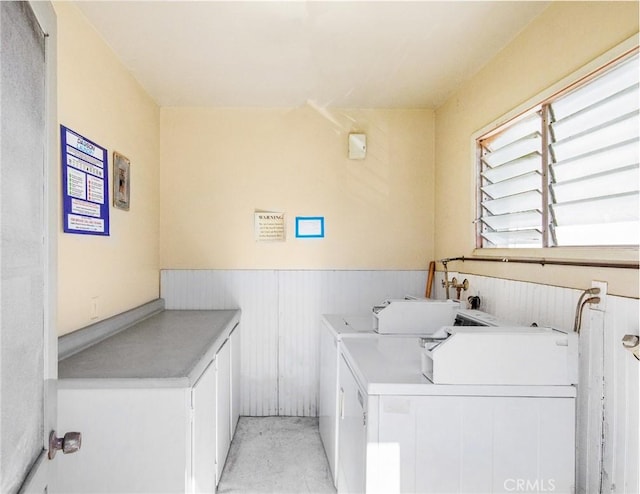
[(565, 37), (219, 165), (99, 98), (199, 174)]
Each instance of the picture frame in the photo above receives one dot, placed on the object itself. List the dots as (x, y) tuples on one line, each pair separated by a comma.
[(121, 181)]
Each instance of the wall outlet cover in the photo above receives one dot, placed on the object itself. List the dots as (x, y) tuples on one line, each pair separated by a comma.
[(603, 295)]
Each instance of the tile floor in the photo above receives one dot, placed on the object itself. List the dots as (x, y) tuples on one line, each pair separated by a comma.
[(276, 455)]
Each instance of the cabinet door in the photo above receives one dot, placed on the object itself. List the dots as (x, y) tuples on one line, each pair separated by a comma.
[(134, 440), (353, 433), (329, 397), (235, 378), (223, 406), (203, 432)]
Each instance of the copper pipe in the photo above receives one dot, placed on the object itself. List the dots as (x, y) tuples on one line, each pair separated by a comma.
[(578, 315), (590, 300), (551, 262)]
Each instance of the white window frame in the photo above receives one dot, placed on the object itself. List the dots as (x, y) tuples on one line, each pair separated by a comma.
[(581, 75)]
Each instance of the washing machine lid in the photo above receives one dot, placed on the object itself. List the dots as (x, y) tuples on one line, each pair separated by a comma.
[(508, 355), (390, 365)]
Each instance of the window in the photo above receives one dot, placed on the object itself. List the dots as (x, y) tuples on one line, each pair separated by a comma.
[(565, 173)]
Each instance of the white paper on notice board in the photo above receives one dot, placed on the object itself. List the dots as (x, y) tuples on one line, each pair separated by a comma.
[(310, 226)]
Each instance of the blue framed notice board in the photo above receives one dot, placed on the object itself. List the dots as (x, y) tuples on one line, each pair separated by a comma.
[(85, 185), (309, 226)]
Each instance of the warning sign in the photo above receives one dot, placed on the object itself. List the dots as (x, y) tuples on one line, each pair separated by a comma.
[(269, 226)]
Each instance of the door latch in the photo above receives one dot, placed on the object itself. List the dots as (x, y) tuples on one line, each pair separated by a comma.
[(70, 443)]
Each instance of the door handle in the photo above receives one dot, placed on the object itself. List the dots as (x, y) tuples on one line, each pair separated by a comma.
[(69, 443)]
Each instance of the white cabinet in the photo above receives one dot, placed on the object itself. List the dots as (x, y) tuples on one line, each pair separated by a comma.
[(223, 406), (135, 440), (156, 433), (213, 416), (144, 440), (329, 360), (234, 339), (203, 432), (353, 433)]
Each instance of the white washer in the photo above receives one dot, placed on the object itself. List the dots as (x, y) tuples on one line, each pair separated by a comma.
[(434, 438)]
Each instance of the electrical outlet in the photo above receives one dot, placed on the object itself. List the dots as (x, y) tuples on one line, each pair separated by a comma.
[(603, 295), (94, 308)]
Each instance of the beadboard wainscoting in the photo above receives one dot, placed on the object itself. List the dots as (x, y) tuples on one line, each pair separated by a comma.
[(280, 322)]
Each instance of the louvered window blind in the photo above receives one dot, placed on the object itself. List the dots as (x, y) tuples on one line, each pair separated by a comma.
[(566, 173)]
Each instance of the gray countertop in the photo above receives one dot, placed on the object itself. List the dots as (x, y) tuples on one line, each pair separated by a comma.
[(172, 345)]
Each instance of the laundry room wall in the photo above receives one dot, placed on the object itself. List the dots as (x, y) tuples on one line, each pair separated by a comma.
[(564, 38), (100, 99), (220, 165)]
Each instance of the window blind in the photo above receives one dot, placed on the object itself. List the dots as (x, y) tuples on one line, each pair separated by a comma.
[(511, 185), (584, 184), (594, 150)]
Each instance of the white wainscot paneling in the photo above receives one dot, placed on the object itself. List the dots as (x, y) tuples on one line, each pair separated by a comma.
[(280, 322), (519, 302), (621, 460), (303, 297), (256, 293)]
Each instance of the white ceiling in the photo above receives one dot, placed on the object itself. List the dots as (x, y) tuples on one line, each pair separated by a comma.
[(361, 54)]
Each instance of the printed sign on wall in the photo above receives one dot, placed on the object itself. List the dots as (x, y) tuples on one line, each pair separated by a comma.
[(85, 185), (269, 226)]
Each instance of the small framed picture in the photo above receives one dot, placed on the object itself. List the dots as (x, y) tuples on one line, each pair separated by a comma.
[(121, 181)]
